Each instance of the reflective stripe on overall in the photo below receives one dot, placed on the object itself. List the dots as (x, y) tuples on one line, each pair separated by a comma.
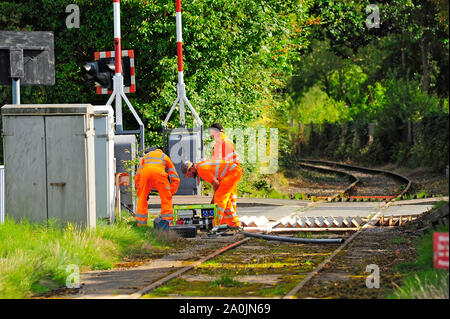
[(152, 174), (224, 149), (228, 175)]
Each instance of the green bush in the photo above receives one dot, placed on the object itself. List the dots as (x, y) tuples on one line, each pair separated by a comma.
[(432, 142), (262, 185)]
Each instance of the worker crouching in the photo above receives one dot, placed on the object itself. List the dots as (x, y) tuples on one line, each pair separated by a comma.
[(153, 173), (224, 177)]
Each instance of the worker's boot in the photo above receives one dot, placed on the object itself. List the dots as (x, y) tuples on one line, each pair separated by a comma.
[(236, 228)]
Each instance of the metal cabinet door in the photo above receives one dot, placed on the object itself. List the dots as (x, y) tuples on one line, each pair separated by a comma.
[(101, 167), (185, 146), (104, 161), (125, 147), (67, 168), (24, 144)]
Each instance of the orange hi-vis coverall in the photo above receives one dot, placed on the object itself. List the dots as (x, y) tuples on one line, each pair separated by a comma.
[(153, 173), (224, 150), (228, 174)]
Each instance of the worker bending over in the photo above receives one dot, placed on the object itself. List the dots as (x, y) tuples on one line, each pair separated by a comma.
[(223, 176), (224, 150), (153, 173)]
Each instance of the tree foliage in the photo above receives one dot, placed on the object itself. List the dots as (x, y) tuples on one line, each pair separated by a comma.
[(237, 54), (272, 63), (392, 75)]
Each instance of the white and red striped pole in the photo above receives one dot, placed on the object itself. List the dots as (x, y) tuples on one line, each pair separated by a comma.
[(118, 79), (118, 90), (179, 40), (117, 44), (181, 88)]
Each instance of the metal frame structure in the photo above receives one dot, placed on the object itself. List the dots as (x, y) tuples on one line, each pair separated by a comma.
[(21, 66), (181, 87), (112, 54), (118, 92)]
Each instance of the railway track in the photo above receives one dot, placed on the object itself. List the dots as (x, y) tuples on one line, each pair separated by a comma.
[(252, 267), (368, 183)]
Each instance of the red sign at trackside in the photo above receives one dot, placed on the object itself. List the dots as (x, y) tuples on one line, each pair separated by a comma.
[(440, 250)]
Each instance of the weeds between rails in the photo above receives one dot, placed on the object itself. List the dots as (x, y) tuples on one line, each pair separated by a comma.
[(239, 270)]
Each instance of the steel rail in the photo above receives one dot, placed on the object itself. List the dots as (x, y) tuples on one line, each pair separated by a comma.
[(295, 239), (364, 169), (291, 294), (171, 276), (352, 185), (314, 204)]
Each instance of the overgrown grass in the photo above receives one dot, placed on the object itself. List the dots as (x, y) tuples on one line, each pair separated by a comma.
[(431, 284), (398, 240), (34, 257), (226, 281), (420, 194), (422, 281), (304, 235)]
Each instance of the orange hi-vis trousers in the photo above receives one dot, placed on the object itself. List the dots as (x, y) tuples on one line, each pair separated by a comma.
[(153, 173), (233, 198), (228, 174), (224, 149)]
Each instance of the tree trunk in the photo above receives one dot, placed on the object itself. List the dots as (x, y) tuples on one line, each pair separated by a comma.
[(341, 89), (327, 84), (404, 61), (425, 64), (410, 132)]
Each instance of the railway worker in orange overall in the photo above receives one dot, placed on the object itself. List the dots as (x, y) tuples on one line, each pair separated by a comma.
[(153, 173), (224, 150), (223, 176)]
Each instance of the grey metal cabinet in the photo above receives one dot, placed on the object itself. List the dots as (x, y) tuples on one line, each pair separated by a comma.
[(104, 161), (50, 162), (125, 149), (185, 145)]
